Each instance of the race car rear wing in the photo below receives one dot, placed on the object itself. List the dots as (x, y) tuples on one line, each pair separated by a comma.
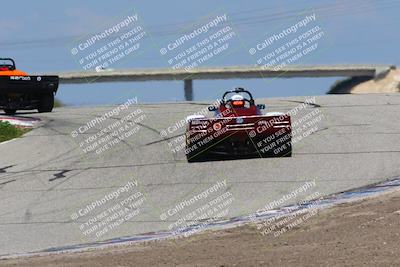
[(28, 84)]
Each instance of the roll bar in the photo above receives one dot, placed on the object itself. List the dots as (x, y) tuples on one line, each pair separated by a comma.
[(9, 59), (238, 90)]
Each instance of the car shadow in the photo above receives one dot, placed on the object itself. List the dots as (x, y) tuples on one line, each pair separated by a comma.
[(20, 114), (213, 158)]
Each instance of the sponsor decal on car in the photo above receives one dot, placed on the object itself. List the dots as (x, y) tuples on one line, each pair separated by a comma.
[(217, 126), (20, 78)]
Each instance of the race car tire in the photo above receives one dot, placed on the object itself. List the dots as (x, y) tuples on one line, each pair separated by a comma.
[(194, 157), (46, 103), (191, 159), (10, 111), (287, 153), (285, 150), (195, 154)]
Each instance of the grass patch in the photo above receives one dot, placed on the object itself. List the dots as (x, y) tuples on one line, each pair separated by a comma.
[(58, 103), (8, 131)]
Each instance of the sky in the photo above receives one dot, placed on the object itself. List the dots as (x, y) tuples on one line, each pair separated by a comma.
[(40, 36)]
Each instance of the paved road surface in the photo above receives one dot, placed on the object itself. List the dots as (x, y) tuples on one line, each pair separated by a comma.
[(45, 177)]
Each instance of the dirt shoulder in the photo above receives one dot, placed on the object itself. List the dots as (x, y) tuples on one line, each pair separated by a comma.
[(386, 83), (362, 233)]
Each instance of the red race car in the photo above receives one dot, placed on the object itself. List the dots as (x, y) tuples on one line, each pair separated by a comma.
[(238, 130)]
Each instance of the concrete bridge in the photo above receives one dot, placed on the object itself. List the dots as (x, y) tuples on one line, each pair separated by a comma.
[(238, 72)]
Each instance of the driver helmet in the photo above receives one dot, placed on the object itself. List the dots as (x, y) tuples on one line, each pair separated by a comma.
[(237, 101)]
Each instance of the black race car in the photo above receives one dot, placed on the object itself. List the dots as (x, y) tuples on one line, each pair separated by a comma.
[(20, 91)]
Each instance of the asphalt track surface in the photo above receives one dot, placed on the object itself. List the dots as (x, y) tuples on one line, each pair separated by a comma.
[(45, 177)]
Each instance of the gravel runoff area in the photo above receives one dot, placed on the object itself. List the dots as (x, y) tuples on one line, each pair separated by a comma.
[(362, 233)]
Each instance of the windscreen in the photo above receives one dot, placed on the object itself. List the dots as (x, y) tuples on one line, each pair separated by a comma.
[(6, 64)]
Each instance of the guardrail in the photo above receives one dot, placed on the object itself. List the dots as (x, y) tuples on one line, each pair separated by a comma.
[(244, 72)]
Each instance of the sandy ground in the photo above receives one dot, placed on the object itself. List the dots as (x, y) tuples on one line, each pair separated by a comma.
[(385, 83), (364, 233), (388, 84)]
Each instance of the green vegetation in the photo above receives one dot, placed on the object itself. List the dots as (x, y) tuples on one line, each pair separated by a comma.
[(58, 103), (8, 131)]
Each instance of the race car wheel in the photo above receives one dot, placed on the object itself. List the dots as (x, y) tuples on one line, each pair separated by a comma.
[(10, 111), (194, 157), (195, 153), (287, 152), (191, 159), (46, 103), (272, 149)]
